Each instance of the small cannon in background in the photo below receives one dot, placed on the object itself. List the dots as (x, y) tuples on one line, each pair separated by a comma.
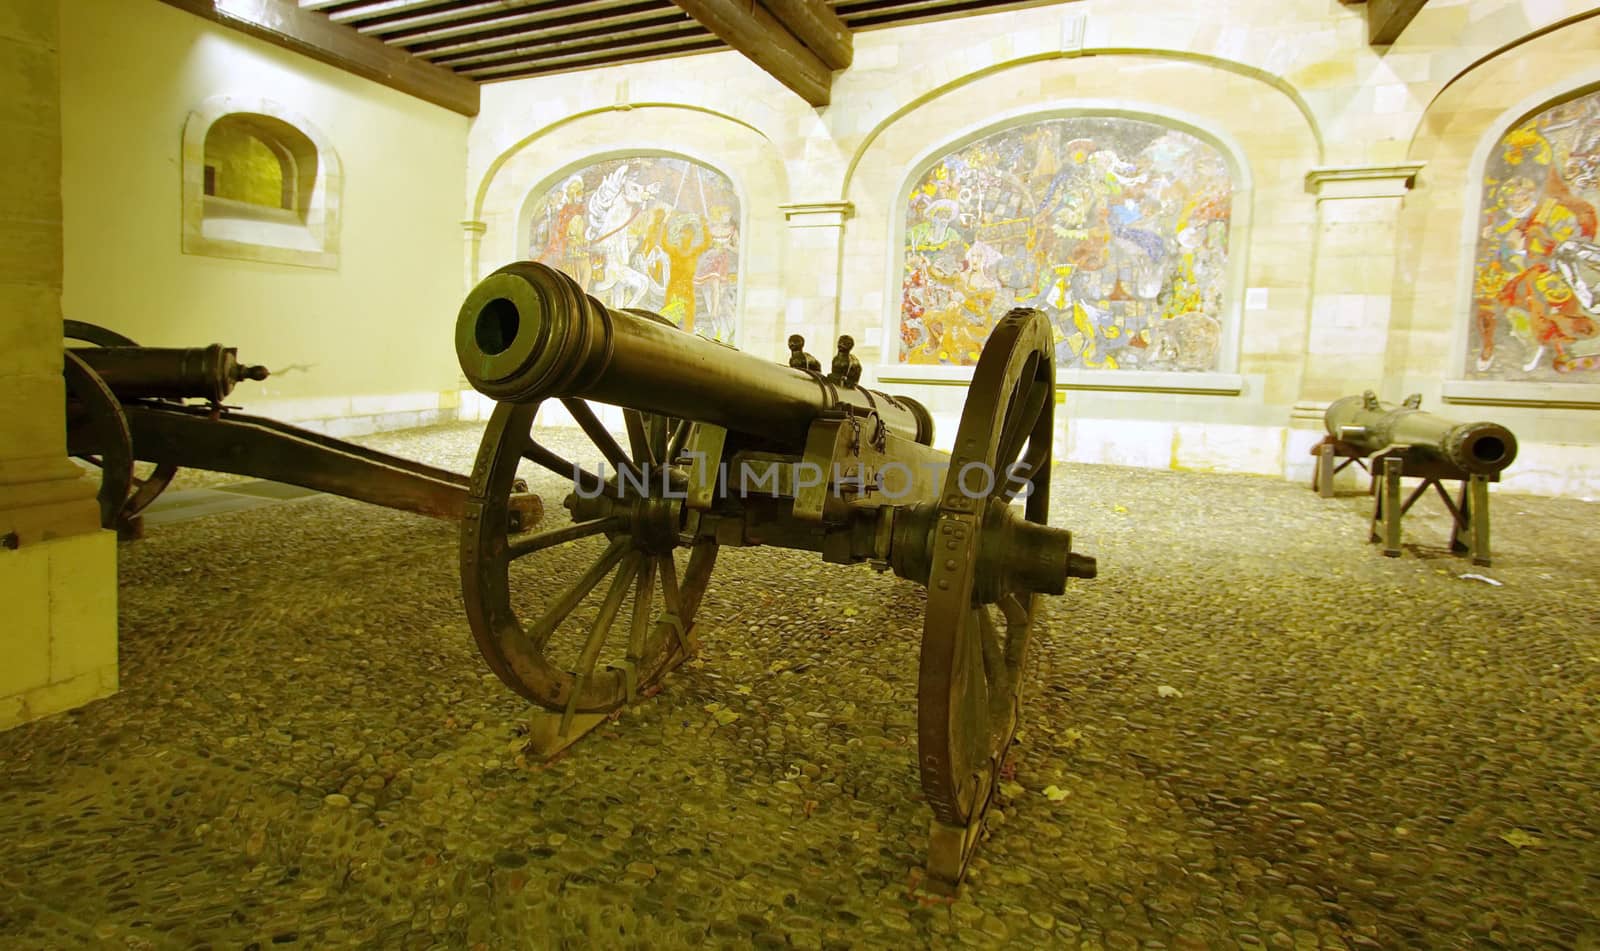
[(725, 448), (125, 404), (1404, 441)]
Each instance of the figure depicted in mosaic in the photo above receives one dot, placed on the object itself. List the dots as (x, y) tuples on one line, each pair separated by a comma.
[(1536, 307), (1116, 227), (648, 231)]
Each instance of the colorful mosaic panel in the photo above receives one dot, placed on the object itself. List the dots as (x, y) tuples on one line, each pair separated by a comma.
[(1536, 289), (648, 231), (1115, 227)]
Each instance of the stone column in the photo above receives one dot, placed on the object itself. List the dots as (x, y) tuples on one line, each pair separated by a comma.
[(1352, 287), (58, 568), (472, 233), (812, 261), (470, 404)]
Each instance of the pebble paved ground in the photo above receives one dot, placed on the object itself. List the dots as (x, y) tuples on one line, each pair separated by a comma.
[(1251, 730)]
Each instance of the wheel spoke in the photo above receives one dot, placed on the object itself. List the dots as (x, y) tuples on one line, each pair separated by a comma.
[(93, 461), (658, 439), (643, 609), (1018, 621), (598, 434), (969, 679), (696, 576), (996, 673), (680, 436), (565, 533), (638, 440), (669, 585), (1018, 425), (583, 478), (1031, 461), (597, 635), (546, 625), (608, 614)]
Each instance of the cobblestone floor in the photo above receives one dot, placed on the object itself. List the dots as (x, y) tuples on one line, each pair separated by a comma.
[(1251, 730)]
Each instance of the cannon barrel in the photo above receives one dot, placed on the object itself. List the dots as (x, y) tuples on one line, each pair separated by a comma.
[(1370, 425), (528, 332), (173, 373)]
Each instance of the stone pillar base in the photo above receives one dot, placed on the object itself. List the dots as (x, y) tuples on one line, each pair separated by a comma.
[(60, 650)]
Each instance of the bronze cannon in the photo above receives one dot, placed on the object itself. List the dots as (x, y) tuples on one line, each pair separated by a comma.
[(1372, 426), (725, 448), (128, 404), (1404, 441)]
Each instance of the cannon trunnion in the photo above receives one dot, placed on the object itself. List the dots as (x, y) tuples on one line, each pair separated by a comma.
[(724, 448)]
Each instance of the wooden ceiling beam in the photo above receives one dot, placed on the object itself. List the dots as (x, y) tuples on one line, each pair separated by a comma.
[(679, 37), (445, 52), (818, 27), (476, 34), (1387, 19), (470, 18), (625, 55), (374, 9), (285, 24), (533, 48), (749, 28)]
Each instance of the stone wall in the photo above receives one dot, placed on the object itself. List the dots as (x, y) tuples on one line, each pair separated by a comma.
[(1349, 156)]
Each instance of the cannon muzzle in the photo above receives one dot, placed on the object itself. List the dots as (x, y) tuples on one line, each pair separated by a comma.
[(1371, 426), (528, 332)]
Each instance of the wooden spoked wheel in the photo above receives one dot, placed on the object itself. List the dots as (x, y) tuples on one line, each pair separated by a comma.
[(582, 617), (976, 631), (97, 433)]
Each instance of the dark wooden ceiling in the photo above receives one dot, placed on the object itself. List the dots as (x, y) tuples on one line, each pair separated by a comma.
[(492, 40)]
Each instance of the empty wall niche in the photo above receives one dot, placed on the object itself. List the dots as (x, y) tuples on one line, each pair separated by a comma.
[(259, 183)]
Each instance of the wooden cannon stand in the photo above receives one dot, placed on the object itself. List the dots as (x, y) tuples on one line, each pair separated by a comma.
[(1470, 509), (1327, 451)]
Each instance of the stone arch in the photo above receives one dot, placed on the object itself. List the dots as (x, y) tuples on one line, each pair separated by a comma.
[(1261, 134), (1436, 277), (911, 100), (734, 149)]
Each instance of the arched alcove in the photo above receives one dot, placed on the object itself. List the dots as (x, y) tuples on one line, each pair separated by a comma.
[(260, 183), (1535, 308), (252, 159), (545, 161)]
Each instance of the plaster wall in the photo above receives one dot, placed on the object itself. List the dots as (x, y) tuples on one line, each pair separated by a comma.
[(363, 346)]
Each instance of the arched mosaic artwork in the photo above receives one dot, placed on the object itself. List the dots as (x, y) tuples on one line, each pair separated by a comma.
[(1536, 293), (648, 231), (1116, 227)]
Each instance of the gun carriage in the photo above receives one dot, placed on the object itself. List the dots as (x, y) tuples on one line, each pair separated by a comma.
[(1404, 441), (727, 449), (126, 404)]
